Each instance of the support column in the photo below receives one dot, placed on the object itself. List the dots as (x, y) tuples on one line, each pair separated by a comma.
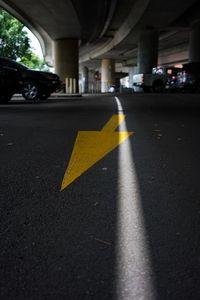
[(91, 84), (85, 79), (147, 51), (131, 71), (194, 45), (107, 74), (66, 63)]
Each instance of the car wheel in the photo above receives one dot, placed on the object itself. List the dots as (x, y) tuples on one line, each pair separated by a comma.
[(5, 98), (146, 89), (44, 96), (30, 90), (158, 87), (197, 87)]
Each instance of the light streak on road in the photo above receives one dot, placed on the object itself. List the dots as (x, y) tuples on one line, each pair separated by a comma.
[(134, 278)]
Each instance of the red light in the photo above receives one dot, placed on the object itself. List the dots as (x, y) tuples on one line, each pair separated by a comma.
[(178, 66)]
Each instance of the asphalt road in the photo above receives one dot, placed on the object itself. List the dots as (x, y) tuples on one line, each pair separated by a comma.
[(128, 228)]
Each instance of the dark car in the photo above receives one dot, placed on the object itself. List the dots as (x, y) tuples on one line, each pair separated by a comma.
[(171, 78), (33, 84), (188, 80), (10, 81)]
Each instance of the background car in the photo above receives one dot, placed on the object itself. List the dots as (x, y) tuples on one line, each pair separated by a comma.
[(10, 81), (188, 80), (34, 84)]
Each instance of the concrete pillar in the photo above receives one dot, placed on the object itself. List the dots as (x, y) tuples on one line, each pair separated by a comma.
[(85, 79), (66, 63), (147, 51), (131, 71), (194, 44), (107, 74), (91, 84)]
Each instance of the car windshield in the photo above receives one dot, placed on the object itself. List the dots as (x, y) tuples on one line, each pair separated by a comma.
[(12, 64), (20, 65)]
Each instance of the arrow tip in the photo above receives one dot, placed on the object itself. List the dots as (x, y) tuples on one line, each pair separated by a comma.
[(89, 148)]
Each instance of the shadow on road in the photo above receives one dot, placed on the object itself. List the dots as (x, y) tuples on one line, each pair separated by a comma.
[(166, 156)]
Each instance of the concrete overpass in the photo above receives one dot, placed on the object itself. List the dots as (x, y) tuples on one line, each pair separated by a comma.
[(111, 35)]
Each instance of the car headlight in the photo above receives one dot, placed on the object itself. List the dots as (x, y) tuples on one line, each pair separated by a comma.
[(50, 76)]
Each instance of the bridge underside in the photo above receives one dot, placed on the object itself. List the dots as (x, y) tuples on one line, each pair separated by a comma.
[(109, 29), (106, 30)]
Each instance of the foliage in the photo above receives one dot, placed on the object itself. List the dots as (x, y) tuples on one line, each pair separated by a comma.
[(15, 44), (33, 61)]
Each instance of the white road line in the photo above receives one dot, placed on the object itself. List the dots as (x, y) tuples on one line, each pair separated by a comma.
[(134, 272)]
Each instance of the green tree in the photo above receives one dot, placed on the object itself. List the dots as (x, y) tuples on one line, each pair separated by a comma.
[(15, 44), (33, 61)]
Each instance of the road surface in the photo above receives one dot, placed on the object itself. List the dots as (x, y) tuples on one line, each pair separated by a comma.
[(128, 226)]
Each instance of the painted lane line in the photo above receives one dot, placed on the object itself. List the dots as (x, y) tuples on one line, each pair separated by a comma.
[(134, 271)]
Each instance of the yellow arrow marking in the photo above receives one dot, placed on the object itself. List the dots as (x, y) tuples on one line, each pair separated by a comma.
[(114, 122), (91, 146)]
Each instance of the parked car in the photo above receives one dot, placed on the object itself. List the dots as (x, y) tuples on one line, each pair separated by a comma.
[(188, 80), (160, 79), (34, 84), (10, 81)]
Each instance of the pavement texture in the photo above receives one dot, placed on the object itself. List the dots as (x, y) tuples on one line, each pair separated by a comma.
[(126, 229)]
